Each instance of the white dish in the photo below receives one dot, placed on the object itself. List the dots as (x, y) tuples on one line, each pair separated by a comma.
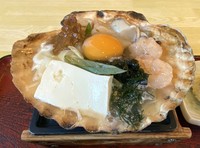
[(191, 105)]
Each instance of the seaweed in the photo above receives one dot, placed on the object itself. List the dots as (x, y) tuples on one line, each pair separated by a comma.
[(126, 98)]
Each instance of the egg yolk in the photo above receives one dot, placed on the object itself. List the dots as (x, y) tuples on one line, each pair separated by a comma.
[(102, 47)]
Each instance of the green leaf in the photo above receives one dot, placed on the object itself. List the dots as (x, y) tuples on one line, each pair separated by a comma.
[(94, 67), (88, 30)]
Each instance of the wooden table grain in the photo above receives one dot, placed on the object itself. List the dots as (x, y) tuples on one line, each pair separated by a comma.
[(19, 18)]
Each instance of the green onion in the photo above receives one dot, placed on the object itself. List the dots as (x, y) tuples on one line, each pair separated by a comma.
[(88, 30)]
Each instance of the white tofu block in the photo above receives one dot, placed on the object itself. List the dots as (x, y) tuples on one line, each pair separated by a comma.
[(69, 87)]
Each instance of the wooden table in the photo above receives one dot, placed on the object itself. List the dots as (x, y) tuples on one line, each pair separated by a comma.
[(21, 18)]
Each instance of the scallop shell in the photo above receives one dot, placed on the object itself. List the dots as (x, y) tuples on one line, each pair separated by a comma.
[(176, 52)]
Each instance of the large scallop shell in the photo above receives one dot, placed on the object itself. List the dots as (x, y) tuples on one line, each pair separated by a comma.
[(176, 52)]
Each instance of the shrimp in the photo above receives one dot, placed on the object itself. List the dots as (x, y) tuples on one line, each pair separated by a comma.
[(145, 63), (148, 52), (160, 72), (145, 46)]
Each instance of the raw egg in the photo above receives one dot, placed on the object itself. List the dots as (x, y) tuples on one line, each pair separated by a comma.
[(102, 47)]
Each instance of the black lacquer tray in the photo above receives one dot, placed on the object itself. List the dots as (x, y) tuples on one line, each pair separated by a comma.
[(42, 126)]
